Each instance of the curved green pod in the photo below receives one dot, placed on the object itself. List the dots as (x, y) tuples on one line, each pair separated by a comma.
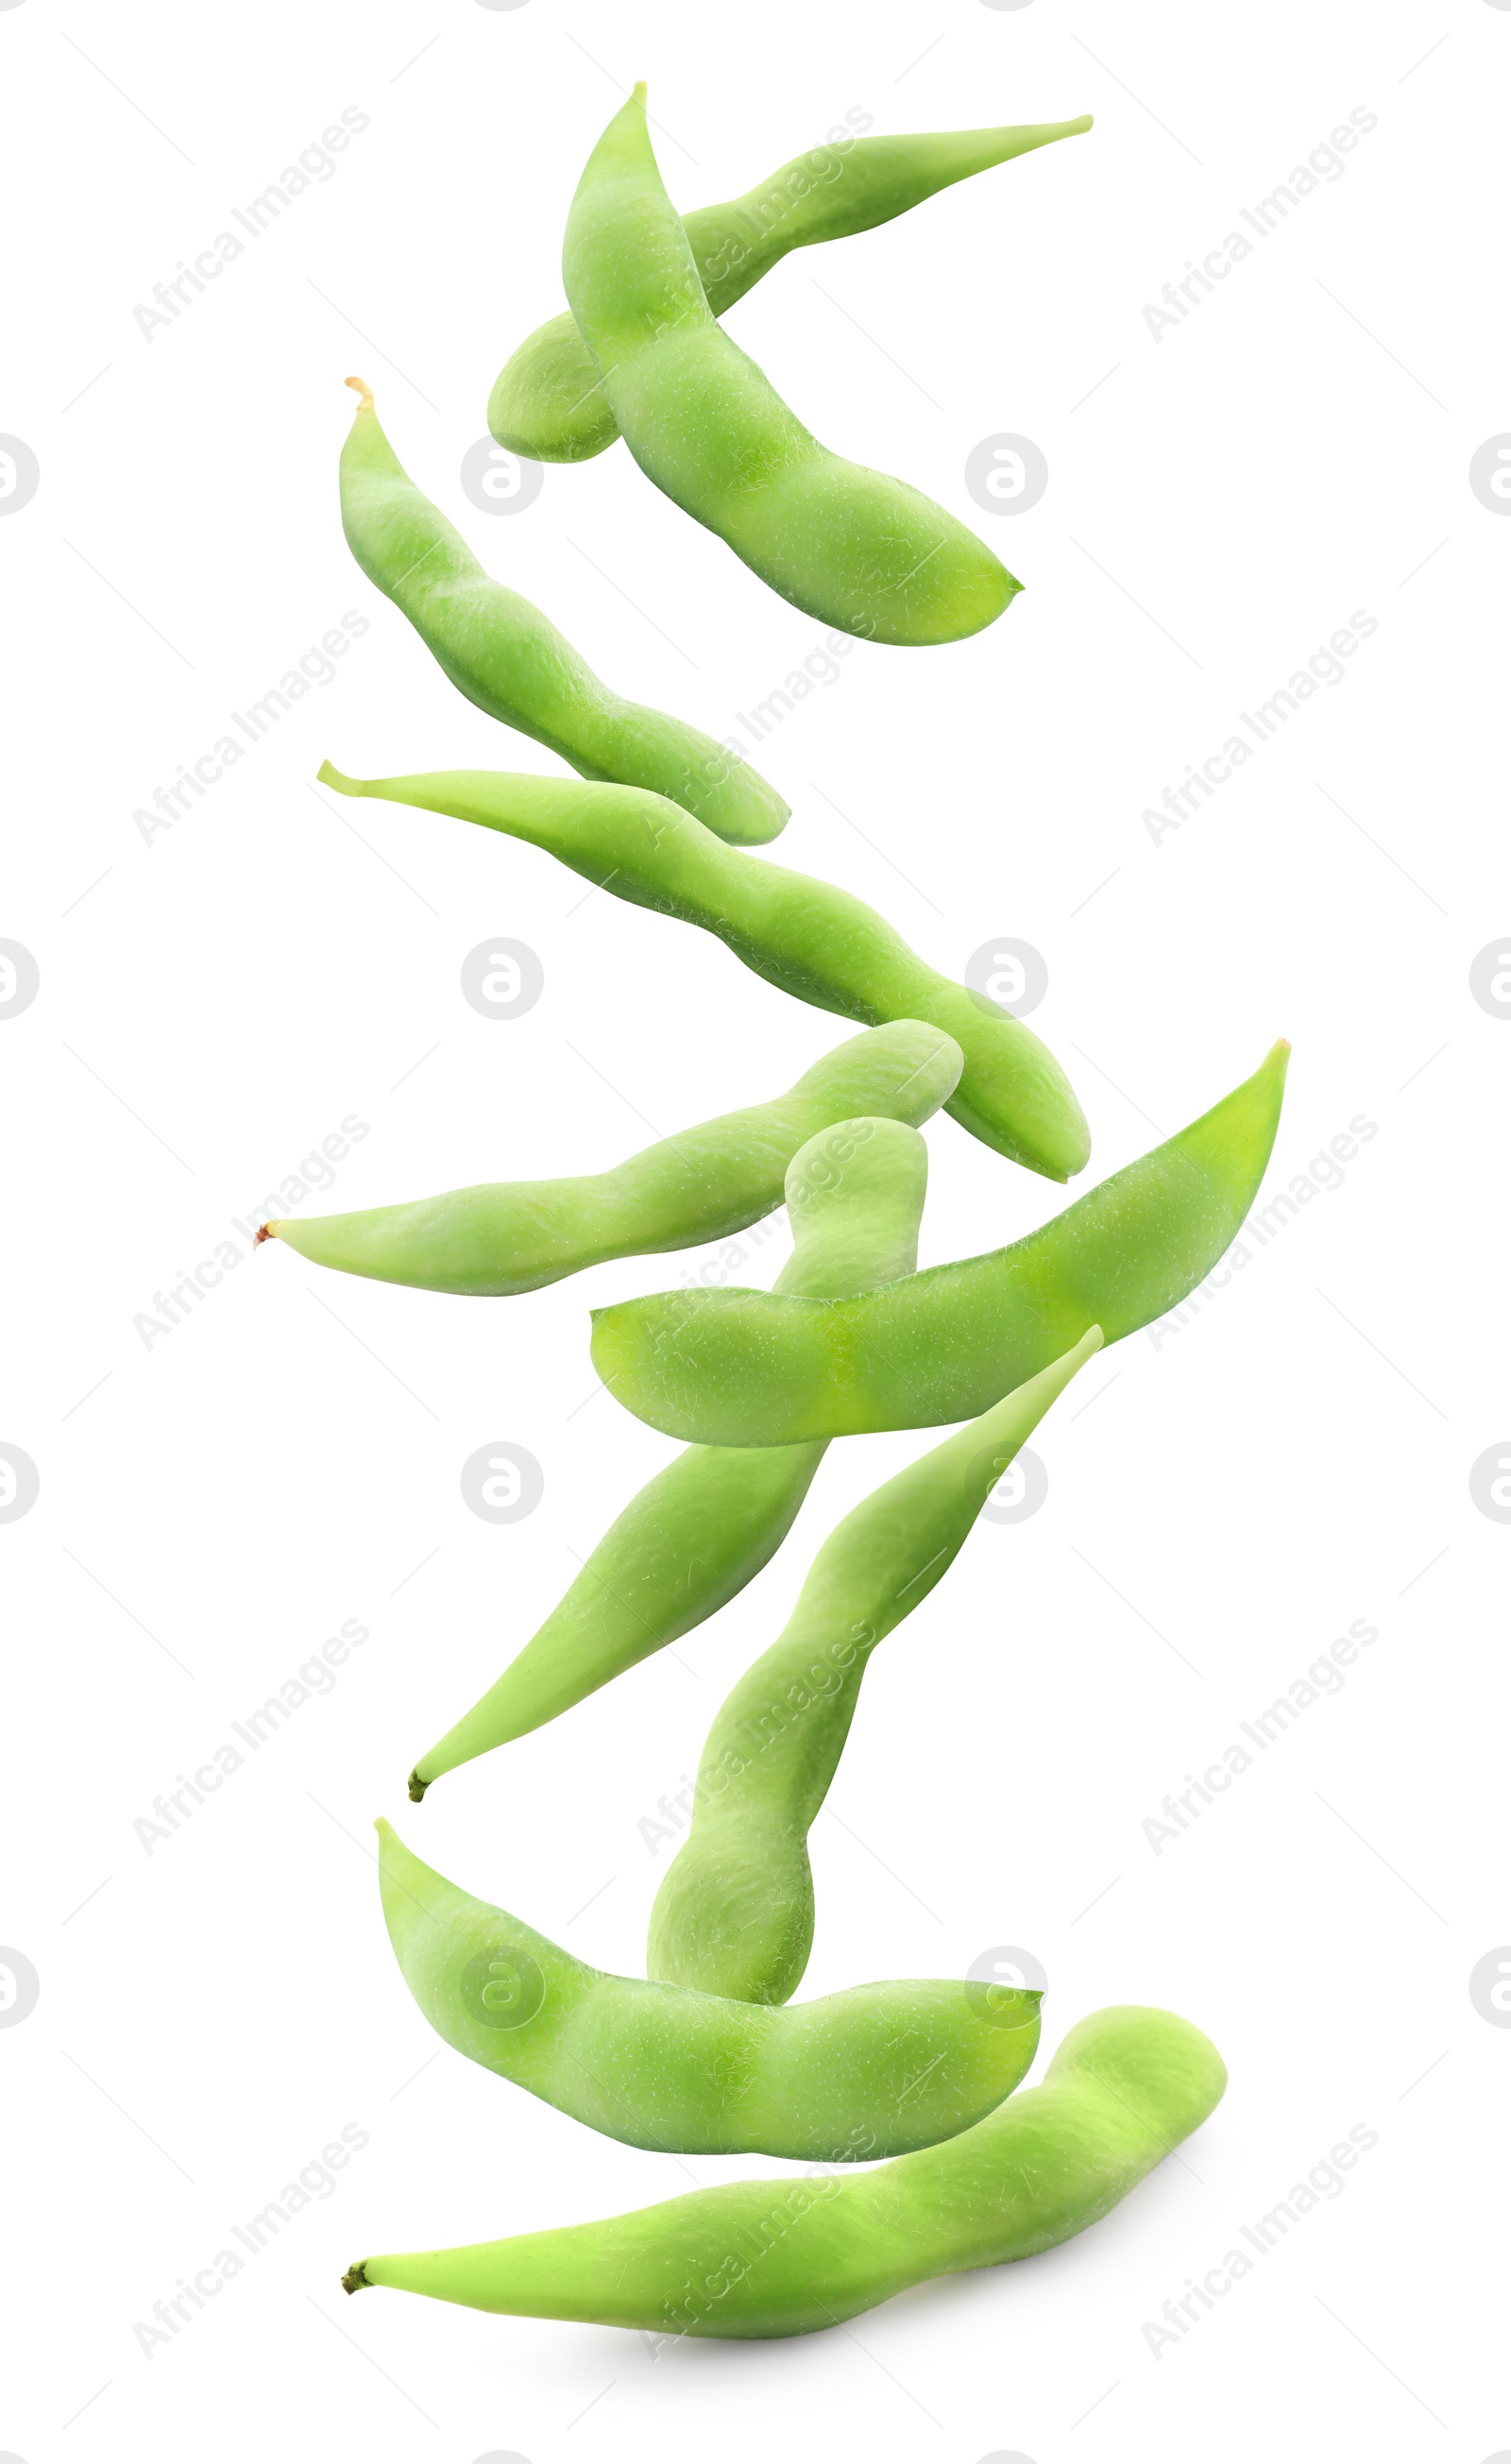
[(872, 2072), (785, 2257), (811, 939), (737, 1368), (702, 1184), (851, 547), (704, 1528), (510, 659), (735, 1911), (547, 403)]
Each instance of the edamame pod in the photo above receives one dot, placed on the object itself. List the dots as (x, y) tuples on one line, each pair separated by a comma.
[(547, 403), (508, 658), (874, 2071), (704, 1528), (783, 2257), (735, 1911), (751, 1369), (814, 941), (703, 1185), (849, 546)]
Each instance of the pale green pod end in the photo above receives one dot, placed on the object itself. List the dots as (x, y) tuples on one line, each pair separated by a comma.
[(547, 403), (855, 1200)]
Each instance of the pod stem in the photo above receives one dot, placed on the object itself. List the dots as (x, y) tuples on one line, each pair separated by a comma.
[(356, 2278), (417, 1787)]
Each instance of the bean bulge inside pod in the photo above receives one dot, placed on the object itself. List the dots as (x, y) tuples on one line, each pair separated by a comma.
[(812, 939), (704, 1526), (755, 1369), (509, 660), (503, 1237), (786, 2258), (872, 2072), (849, 546), (734, 1913), (547, 403)]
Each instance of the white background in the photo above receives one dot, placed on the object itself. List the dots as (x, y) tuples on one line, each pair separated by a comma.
[(1222, 1503)]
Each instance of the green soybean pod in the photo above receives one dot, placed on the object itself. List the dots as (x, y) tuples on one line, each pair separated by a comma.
[(704, 1528), (849, 546), (785, 2257), (735, 1911), (752, 1369), (872, 2072), (703, 1185), (811, 939), (510, 659), (547, 403)]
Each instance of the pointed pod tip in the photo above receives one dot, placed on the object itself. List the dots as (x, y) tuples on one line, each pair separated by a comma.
[(360, 384)]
